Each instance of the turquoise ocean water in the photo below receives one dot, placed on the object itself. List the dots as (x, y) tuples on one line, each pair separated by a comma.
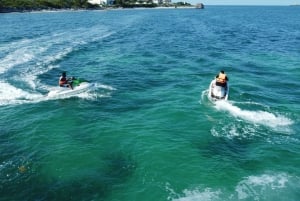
[(147, 131)]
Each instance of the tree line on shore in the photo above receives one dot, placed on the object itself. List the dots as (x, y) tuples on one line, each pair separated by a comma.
[(30, 5), (24, 5)]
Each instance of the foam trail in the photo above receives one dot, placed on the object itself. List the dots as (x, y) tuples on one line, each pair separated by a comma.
[(14, 59), (97, 85), (258, 117), (44, 50), (252, 186), (203, 94), (260, 187), (195, 195), (12, 95)]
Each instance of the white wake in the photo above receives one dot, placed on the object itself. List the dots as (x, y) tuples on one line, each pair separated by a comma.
[(258, 117)]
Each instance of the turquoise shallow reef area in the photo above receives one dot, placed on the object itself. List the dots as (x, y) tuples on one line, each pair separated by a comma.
[(146, 131)]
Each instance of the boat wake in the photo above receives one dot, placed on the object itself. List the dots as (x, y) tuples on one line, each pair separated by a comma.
[(11, 95), (269, 185), (257, 117), (253, 114)]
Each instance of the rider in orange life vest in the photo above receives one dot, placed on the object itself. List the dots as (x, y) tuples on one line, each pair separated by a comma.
[(222, 79), (64, 82)]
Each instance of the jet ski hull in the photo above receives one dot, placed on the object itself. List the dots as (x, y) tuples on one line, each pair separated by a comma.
[(217, 92), (65, 91)]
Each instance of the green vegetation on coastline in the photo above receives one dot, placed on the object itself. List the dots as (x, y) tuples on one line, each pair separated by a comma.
[(34, 5), (29, 5)]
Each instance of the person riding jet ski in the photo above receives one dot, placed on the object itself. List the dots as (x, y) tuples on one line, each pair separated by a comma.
[(64, 81), (219, 88), (222, 79)]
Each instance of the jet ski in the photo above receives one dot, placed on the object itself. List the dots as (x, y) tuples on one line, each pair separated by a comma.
[(218, 91), (79, 86)]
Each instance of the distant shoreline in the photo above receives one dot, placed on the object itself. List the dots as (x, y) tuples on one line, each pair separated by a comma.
[(16, 10), (21, 10)]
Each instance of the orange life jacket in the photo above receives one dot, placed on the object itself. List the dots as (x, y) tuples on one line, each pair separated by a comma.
[(221, 78)]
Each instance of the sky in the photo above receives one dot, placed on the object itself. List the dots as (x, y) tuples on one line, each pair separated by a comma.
[(244, 2)]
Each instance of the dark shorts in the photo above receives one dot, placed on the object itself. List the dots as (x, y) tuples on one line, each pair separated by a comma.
[(221, 84), (64, 85)]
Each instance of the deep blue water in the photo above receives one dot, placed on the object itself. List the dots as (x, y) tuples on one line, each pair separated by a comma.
[(147, 131)]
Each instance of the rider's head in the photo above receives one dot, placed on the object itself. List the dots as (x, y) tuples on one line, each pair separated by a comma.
[(64, 74)]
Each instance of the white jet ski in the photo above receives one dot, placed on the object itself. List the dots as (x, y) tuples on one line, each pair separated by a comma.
[(78, 87), (217, 91)]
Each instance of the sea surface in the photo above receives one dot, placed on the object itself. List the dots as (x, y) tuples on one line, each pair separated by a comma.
[(146, 131)]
